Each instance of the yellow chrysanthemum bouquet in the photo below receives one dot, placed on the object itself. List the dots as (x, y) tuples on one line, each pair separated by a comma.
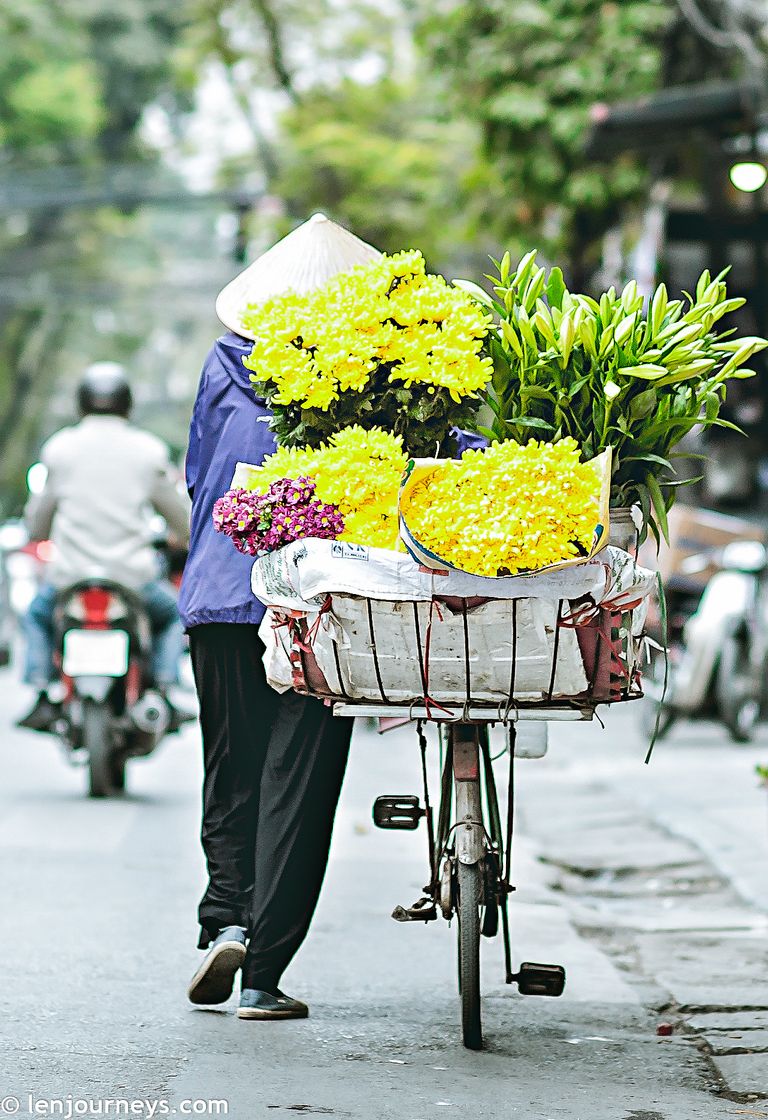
[(357, 472), (385, 345), (511, 509)]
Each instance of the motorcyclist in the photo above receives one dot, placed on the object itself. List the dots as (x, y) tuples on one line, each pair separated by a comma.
[(105, 479)]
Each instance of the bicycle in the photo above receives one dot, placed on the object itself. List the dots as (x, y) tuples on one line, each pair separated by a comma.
[(470, 853)]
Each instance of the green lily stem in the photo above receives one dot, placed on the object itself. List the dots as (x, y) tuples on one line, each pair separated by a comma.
[(606, 417)]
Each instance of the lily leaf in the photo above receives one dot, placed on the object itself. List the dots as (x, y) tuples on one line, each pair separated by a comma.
[(649, 458), (643, 404), (529, 422), (536, 393), (555, 288), (678, 482), (475, 291), (659, 505), (720, 423), (711, 407), (647, 372)]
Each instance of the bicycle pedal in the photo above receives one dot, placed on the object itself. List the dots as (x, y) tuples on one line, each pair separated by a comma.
[(403, 812), (422, 911), (540, 979)]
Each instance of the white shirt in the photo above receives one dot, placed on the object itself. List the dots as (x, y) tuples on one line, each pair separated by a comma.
[(105, 479)]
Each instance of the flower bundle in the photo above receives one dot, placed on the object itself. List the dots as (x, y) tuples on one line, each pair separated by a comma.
[(386, 345), (287, 511), (511, 508), (357, 472), (612, 372)]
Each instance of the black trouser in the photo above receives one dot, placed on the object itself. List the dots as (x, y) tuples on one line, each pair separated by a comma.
[(274, 765)]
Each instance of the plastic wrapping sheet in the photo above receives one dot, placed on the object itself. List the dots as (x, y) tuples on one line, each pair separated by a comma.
[(299, 576)]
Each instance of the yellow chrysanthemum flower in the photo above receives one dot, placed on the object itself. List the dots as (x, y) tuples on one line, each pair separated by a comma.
[(391, 312), (511, 508), (359, 471)]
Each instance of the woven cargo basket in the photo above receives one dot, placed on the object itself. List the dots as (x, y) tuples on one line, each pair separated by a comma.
[(470, 653)]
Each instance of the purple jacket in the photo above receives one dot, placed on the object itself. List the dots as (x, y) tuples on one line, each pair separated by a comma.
[(229, 424)]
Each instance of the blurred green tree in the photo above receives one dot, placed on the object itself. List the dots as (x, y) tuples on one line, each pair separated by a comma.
[(379, 161), (274, 53), (529, 73), (456, 124), (75, 77), (362, 130), (49, 89)]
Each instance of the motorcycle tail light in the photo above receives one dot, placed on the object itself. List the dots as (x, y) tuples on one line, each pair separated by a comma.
[(97, 607), (117, 608), (95, 603), (45, 551)]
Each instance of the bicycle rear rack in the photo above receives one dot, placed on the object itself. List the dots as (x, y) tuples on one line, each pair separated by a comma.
[(470, 714)]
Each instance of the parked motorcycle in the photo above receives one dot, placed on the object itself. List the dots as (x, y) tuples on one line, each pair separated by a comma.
[(717, 643), (109, 709)]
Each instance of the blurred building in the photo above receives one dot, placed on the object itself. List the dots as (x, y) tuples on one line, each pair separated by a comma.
[(706, 147)]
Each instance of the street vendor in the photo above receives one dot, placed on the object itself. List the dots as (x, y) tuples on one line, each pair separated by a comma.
[(274, 763)]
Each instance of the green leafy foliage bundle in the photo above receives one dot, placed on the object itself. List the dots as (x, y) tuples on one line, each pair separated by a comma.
[(612, 372)]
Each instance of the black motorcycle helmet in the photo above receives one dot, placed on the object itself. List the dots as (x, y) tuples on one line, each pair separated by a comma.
[(104, 391)]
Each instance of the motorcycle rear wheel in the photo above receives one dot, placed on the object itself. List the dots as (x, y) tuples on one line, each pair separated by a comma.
[(737, 693), (97, 742), (118, 773)]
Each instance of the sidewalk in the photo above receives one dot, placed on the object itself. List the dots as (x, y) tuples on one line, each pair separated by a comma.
[(724, 811), (665, 866)]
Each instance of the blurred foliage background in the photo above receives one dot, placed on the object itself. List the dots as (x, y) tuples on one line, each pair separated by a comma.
[(147, 149)]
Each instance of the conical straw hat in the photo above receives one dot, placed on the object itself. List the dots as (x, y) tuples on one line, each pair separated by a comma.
[(304, 260)]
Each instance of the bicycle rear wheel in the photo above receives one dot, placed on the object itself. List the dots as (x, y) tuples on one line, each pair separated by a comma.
[(470, 888)]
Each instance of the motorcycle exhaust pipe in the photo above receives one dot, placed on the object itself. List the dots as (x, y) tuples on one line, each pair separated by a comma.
[(150, 714)]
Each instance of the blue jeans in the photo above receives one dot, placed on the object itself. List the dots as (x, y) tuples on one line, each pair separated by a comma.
[(159, 601)]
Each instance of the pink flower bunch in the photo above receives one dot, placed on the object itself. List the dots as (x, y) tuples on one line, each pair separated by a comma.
[(259, 523)]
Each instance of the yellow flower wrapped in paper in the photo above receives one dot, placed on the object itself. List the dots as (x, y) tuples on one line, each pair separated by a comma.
[(358, 471), (509, 509)]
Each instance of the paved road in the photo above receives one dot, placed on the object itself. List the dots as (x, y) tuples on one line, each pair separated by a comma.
[(97, 932)]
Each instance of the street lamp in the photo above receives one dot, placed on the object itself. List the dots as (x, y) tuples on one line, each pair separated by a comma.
[(748, 176)]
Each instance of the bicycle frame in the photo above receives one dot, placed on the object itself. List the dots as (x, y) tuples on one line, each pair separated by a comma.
[(469, 836), (470, 859), (467, 769)]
